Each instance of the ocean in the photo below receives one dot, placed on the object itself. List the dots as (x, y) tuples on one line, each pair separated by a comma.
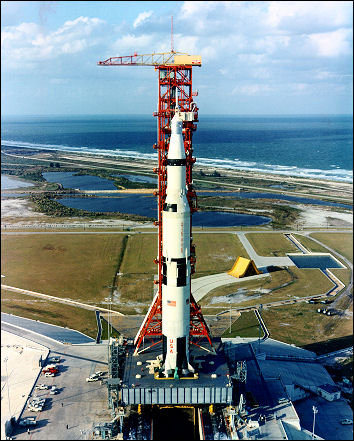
[(319, 147)]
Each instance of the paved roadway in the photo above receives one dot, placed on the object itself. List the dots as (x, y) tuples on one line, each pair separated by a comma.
[(262, 261), (63, 335), (347, 352), (197, 230), (348, 290), (202, 285), (79, 404), (59, 299)]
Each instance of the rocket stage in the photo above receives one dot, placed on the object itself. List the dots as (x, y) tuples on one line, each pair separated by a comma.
[(203, 390)]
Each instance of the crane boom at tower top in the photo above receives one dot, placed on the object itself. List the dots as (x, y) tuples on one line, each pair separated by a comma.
[(164, 58)]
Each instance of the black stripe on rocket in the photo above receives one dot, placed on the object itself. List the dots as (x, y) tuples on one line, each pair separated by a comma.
[(180, 162), (181, 270)]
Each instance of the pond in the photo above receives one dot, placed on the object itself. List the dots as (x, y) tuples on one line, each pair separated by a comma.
[(85, 182), (8, 183), (139, 178), (321, 261), (143, 205)]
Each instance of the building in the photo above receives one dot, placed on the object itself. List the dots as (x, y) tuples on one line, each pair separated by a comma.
[(286, 382)]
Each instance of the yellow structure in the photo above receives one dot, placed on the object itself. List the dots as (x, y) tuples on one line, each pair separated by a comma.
[(244, 268)]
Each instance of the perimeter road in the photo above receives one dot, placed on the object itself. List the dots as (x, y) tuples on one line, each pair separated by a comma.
[(58, 299)]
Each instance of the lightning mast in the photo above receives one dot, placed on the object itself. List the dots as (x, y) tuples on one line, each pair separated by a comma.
[(175, 87)]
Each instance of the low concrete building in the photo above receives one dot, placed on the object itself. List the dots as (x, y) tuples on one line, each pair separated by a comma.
[(328, 392), (287, 382)]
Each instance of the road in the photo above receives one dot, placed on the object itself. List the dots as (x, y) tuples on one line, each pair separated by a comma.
[(58, 299), (346, 352), (52, 332), (348, 291), (203, 285), (197, 230)]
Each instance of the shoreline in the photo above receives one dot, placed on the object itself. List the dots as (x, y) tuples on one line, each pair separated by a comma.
[(224, 180), (109, 158)]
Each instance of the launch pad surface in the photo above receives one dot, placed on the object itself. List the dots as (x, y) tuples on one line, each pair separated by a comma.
[(212, 385)]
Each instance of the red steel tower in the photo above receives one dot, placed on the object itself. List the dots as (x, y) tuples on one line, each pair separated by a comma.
[(175, 88)]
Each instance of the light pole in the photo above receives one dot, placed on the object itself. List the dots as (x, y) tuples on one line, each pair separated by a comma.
[(230, 315), (7, 382), (314, 409), (259, 328)]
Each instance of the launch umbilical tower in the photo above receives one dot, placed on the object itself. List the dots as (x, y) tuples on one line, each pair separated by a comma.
[(174, 89)]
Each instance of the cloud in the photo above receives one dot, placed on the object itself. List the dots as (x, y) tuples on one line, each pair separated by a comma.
[(332, 44), (141, 18), (27, 44), (130, 43), (252, 89), (309, 15), (249, 49)]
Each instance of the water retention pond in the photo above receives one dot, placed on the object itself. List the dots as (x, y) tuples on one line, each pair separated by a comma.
[(139, 204)]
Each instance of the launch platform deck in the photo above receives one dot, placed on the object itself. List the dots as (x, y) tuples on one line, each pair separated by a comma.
[(203, 390)]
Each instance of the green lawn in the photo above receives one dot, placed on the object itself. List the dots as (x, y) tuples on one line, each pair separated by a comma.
[(284, 284), (55, 313), (79, 267), (271, 244), (310, 245), (83, 267), (245, 326), (140, 252), (216, 253), (340, 242), (300, 324)]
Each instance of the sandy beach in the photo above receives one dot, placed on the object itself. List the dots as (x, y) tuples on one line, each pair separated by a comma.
[(18, 211)]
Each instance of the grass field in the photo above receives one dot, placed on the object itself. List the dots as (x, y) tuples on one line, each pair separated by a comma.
[(83, 267), (80, 319), (310, 245), (216, 253), (342, 274), (284, 284), (340, 242), (140, 252), (271, 244), (302, 325), (78, 267), (245, 326)]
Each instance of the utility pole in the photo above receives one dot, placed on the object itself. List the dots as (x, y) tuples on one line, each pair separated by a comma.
[(259, 328), (314, 409), (7, 382)]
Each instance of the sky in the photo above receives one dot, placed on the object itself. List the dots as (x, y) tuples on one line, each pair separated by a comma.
[(258, 57)]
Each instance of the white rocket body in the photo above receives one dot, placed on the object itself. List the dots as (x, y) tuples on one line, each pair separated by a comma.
[(176, 259)]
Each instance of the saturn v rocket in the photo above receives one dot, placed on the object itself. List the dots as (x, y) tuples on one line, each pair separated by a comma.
[(176, 287)]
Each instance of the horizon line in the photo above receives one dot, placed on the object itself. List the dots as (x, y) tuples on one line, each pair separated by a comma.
[(205, 114)]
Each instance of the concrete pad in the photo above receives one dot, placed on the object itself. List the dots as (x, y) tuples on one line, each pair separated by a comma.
[(262, 261), (18, 373), (201, 286)]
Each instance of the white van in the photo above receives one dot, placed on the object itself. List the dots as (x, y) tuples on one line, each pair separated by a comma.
[(346, 421)]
